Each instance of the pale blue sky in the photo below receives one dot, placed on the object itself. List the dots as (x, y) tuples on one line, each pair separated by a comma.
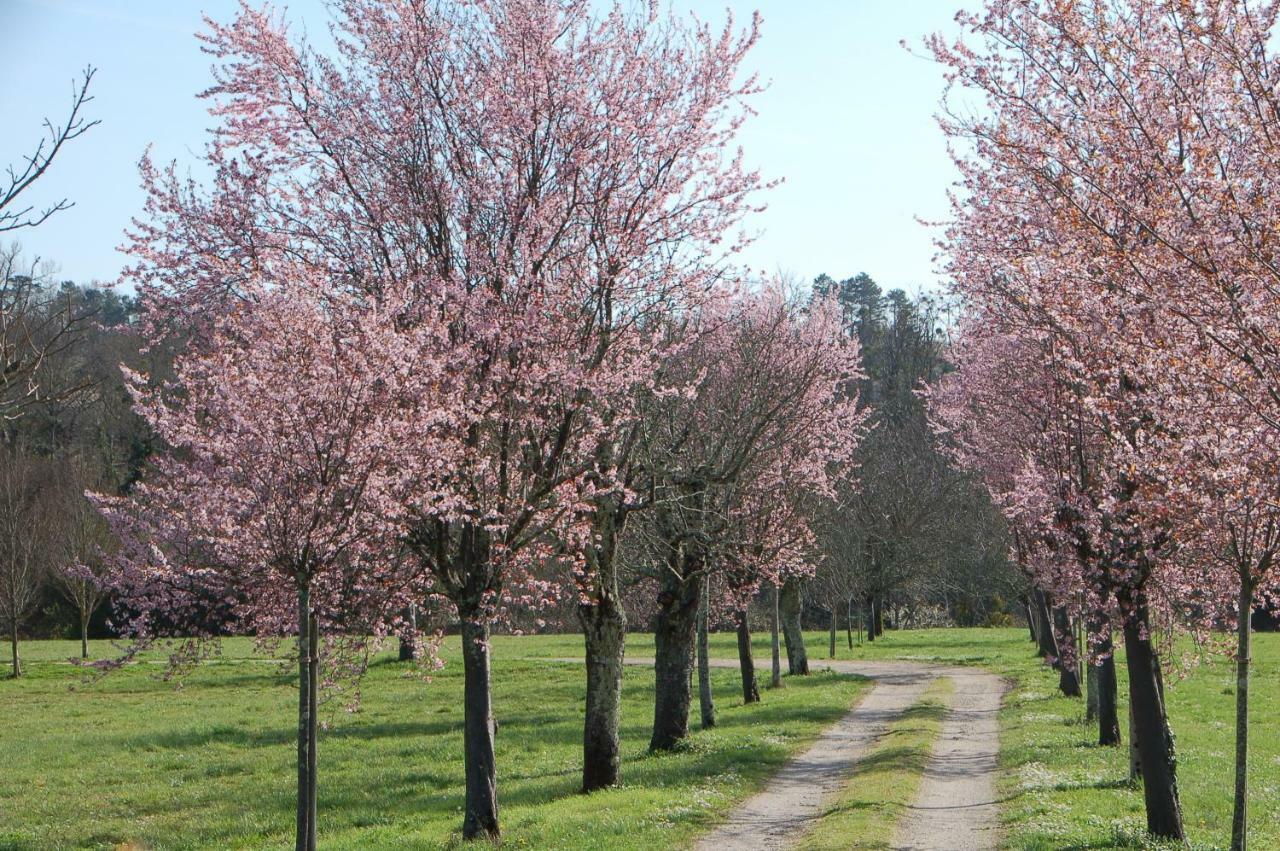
[(847, 121)]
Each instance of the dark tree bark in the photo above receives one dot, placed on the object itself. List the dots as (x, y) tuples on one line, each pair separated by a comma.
[(1047, 646), (1031, 619), (604, 626), (481, 816), (84, 635), (459, 556), (1108, 708), (871, 619), (797, 658), (1068, 678), (848, 622), (308, 685), (1244, 652), (706, 701), (877, 621), (674, 630), (1154, 739), (831, 642), (746, 663), (604, 629), (1135, 756), (408, 646), (775, 679), (13, 644)]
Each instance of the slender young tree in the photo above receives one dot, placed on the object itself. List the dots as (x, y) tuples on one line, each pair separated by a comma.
[(277, 490), (27, 512), (81, 567)]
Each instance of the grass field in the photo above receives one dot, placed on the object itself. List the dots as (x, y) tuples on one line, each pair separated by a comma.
[(132, 759)]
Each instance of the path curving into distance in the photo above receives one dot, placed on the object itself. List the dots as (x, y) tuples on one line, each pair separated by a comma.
[(955, 808)]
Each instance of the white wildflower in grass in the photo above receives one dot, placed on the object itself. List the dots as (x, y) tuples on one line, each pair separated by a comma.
[(1036, 775)]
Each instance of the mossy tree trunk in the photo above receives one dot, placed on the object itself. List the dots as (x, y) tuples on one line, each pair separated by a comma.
[(797, 658)]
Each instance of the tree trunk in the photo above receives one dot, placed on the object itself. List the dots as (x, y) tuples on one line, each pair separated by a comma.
[(871, 619), (848, 622), (1068, 678), (746, 663), (481, 816), (1154, 740), (604, 628), (84, 635), (1031, 619), (797, 658), (408, 646), (877, 606), (308, 682), (1091, 694), (831, 643), (1135, 757), (1108, 694), (674, 630), (776, 675), (1244, 651), (1044, 627), (706, 701), (1109, 712), (13, 643)]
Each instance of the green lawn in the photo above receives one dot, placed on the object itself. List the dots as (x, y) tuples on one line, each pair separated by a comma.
[(130, 759)]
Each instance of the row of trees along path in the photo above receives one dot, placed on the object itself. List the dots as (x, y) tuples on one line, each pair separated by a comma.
[(1118, 384), (457, 319)]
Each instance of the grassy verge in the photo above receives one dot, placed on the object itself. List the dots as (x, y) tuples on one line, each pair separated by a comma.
[(132, 760), (885, 782)]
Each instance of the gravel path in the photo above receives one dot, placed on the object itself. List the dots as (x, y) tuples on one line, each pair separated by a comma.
[(796, 795), (955, 809)]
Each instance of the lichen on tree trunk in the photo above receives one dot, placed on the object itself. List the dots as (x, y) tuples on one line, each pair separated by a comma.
[(789, 605), (706, 701), (1154, 740), (674, 631)]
